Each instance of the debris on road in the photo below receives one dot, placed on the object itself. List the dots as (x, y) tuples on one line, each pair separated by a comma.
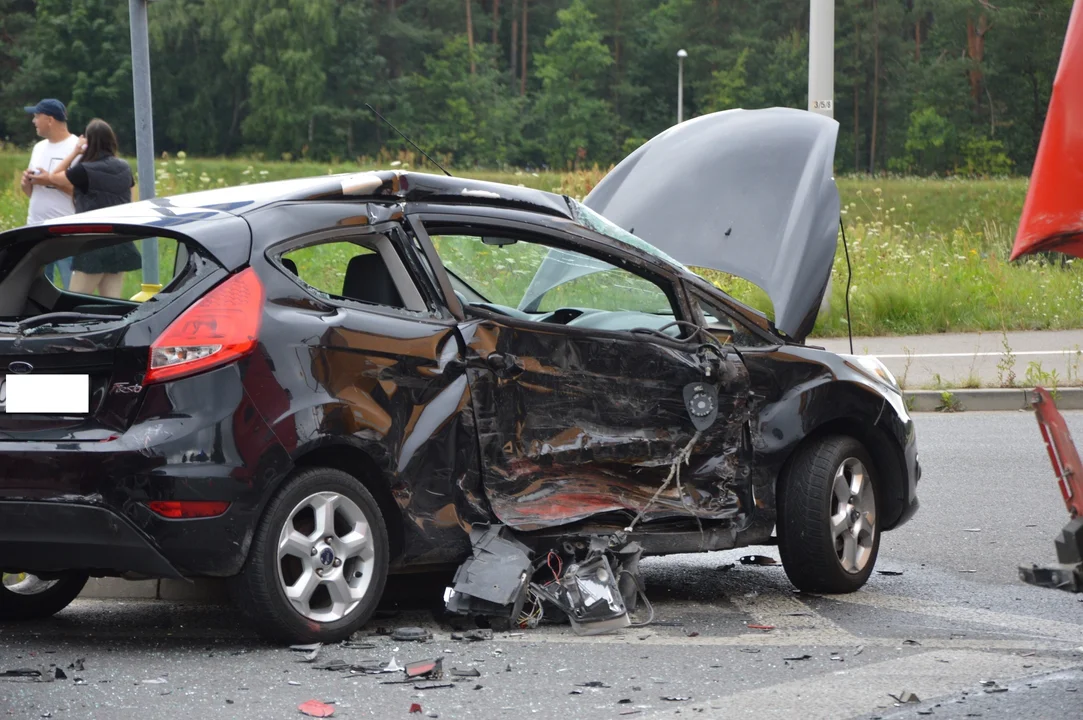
[(311, 652), (317, 709), (408, 634), (905, 697), (433, 669), (592, 581), (889, 572), (676, 698), (20, 673), (467, 672), (798, 657), (434, 686), (336, 665), (725, 568), (415, 708), (758, 560), (761, 627), (478, 635)]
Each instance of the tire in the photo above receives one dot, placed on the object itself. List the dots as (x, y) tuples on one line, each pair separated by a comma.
[(27, 597), (828, 534), (325, 608)]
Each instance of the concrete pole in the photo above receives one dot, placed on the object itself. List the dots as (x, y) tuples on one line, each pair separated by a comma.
[(681, 55), (821, 57), (144, 130)]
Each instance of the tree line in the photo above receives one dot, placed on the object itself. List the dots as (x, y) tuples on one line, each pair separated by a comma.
[(921, 86)]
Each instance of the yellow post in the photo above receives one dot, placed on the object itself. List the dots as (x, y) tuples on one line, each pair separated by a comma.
[(149, 290)]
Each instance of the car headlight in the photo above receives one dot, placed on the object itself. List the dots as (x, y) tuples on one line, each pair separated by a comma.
[(871, 365)]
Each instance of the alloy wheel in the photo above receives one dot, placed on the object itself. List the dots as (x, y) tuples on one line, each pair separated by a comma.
[(326, 557), (853, 515)]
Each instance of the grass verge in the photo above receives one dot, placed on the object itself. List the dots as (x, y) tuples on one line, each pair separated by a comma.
[(927, 256)]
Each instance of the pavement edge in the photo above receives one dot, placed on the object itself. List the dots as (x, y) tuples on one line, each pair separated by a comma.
[(986, 399)]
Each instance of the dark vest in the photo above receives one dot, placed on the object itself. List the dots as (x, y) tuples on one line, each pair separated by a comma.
[(109, 182)]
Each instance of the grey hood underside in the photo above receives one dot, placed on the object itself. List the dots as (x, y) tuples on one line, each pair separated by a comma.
[(746, 192)]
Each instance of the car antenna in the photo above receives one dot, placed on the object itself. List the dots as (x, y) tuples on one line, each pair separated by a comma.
[(849, 276), (407, 139)]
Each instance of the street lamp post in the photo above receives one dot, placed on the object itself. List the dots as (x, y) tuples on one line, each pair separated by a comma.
[(144, 134), (681, 55), (821, 57)]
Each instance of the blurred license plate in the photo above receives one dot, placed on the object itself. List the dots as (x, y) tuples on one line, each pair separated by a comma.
[(45, 394)]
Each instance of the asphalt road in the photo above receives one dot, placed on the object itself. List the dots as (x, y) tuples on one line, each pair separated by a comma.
[(955, 618)]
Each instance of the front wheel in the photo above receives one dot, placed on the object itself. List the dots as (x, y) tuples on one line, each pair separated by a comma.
[(828, 519), (319, 560), (28, 597)]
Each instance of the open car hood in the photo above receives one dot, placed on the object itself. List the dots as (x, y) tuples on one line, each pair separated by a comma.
[(746, 192)]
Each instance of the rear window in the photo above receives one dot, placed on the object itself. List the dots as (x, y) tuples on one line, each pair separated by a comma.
[(93, 274)]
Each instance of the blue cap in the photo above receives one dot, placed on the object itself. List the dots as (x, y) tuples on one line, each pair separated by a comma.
[(51, 107)]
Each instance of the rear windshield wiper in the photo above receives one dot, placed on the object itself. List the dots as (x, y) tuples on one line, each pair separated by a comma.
[(49, 318)]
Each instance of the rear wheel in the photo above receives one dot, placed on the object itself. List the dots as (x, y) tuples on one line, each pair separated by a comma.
[(319, 560), (828, 520), (27, 597)]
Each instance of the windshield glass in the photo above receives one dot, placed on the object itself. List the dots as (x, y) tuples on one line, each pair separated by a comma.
[(592, 220)]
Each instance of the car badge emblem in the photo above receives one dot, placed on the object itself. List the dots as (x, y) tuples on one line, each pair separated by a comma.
[(20, 368), (327, 556)]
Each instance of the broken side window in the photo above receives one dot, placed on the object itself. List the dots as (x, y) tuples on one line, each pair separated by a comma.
[(362, 268), (530, 280), (724, 326)]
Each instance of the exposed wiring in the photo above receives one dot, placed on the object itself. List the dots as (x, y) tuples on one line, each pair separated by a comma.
[(674, 471), (696, 330), (643, 596), (849, 277), (537, 612)]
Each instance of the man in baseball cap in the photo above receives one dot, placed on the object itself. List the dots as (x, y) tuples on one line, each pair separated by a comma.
[(51, 107), (47, 201)]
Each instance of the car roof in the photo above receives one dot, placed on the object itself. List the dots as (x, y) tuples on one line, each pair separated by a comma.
[(387, 186)]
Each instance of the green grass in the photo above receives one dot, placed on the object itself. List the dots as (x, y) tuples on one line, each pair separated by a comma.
[(928, 255)]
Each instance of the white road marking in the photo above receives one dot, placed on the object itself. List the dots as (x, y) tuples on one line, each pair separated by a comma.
[(846, 693), (971, 354)]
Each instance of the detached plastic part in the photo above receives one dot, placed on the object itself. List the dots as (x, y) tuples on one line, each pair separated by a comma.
[(495, 579), (590, 596)]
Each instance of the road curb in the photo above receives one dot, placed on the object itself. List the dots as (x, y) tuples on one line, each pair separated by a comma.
[(986, 399)]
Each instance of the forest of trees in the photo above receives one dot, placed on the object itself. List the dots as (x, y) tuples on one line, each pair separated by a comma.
[(921, 86)]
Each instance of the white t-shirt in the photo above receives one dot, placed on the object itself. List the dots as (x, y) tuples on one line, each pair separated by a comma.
[(47, 202)]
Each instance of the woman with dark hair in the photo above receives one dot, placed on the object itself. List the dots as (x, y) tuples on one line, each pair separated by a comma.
[(100, 179)]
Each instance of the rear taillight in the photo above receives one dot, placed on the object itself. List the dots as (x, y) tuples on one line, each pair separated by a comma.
[(186, 509), (219, 328)]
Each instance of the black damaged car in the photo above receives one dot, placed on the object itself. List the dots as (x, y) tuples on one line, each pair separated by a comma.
[(343, 375)]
